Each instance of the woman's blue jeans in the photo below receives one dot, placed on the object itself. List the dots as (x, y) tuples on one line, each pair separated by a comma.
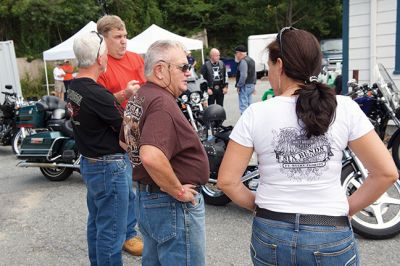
[(173, 232), (110, 202), (280, 243)]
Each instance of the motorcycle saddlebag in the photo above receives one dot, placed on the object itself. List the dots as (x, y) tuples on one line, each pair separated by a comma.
[(42, 144), (30, 117), (215, 152)]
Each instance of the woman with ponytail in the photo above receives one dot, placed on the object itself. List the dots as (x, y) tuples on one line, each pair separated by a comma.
[(301, 213)]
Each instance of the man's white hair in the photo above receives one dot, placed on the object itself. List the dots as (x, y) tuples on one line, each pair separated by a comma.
[(86, 47), (157, 52)]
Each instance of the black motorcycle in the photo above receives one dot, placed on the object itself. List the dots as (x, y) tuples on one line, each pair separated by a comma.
[(215, 145), (53, 150), (380, 102), (8, 128), (192, 102)]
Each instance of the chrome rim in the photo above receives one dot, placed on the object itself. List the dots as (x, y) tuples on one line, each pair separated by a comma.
[(384, 212)]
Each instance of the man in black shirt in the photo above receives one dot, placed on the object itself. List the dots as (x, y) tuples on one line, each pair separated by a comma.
[(105, 167), (214, 71)]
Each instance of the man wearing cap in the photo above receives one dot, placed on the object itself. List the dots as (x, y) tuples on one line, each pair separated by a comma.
[(125, 72), (245, 77), (58, 74)]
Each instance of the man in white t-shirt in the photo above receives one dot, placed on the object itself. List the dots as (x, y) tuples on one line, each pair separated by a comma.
[(59, 74)]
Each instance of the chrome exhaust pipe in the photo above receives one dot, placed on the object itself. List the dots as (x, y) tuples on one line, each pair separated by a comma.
[(47, 165)]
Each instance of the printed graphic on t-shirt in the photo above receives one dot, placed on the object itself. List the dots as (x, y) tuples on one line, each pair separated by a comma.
[(133, 113), (216, 73), (299, 156), (73, 105)]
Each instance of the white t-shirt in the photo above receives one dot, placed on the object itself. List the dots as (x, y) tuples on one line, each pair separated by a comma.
[(58, 73), (299, 175)]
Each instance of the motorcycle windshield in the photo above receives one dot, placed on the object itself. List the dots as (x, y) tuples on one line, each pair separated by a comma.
[(387, 86)]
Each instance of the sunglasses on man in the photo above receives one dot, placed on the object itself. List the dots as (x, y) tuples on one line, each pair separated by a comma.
[(181, 67)]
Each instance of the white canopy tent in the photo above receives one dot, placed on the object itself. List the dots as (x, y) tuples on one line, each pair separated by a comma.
[(140, 43), (65, 49)]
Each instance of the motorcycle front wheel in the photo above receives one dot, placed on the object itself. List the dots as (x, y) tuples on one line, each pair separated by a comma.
[(214, 196), (56, 174), (380, 220)]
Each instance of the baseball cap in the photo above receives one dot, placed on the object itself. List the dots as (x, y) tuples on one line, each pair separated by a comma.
[(241, 48)]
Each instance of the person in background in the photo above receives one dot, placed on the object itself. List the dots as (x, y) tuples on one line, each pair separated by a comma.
[(59, 74), (192, 61), (301, 211), (125, 72), (68, 69), (214, 71), (96, 119), (246, 77), (170, 162)]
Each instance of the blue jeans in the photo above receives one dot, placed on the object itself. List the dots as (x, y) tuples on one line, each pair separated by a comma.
[(281, 243), (245, 96), (173, 232), (110, 202)]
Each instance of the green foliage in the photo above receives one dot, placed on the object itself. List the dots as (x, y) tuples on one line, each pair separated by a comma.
[(37, 25), (33, 87)]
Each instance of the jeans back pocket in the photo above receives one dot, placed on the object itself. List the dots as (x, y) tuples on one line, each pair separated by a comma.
[(344, 256)]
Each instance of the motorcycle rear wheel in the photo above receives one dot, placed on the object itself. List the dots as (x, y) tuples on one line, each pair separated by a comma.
[(213, 196), (380, 220), (56, 174), (17, 140)]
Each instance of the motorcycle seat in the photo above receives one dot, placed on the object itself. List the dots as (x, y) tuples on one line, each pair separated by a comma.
[(67, 129), (50, 103)]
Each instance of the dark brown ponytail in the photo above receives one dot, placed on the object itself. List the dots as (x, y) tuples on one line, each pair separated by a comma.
[(301, 56), (315, 107)]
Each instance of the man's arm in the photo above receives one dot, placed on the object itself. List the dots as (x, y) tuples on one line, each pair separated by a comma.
[(159, 168), (131, 89), (243, 73)]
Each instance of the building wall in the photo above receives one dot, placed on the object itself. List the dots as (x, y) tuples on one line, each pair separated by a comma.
[(372, 35)]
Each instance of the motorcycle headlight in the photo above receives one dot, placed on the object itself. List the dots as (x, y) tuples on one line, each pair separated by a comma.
[(184, 98), (195, 97)]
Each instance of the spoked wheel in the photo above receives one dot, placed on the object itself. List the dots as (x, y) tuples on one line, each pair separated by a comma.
[(18, 138), (214, 196), (56, 174), (381, 219)]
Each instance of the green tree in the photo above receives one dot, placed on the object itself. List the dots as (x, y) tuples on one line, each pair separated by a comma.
[(36, 25)]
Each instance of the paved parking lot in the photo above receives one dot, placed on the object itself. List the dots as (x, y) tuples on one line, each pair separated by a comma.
[(44, 223)]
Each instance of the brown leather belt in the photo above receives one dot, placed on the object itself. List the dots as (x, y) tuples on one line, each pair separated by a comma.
[(153, 188), (304, 219)]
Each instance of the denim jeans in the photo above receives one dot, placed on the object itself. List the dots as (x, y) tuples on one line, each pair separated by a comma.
[(281, 243), (110, 202), (173, 232), (245, 96)]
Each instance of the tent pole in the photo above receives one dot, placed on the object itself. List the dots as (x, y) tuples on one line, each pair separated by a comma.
[(202, 56), (47, 79)]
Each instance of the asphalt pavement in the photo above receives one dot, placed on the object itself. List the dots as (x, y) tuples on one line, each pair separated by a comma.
[(44, 223)]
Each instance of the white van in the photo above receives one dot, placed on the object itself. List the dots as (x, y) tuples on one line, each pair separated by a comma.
[(8, 69), (257, 45)]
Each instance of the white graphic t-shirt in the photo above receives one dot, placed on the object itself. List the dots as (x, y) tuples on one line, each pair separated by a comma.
[(297, 174)]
